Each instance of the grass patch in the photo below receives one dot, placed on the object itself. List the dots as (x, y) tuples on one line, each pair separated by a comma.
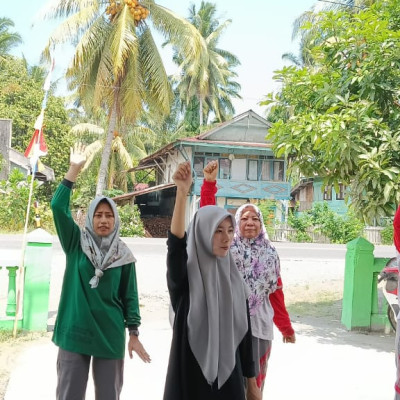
[(305, 302), (6, 336)]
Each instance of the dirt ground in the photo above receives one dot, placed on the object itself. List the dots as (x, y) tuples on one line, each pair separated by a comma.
[(305, 303), (10, 348)]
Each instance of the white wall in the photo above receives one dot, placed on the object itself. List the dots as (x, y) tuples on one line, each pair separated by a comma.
[(173, 161)]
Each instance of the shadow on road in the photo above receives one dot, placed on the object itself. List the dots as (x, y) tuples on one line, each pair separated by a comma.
[(323, 324)]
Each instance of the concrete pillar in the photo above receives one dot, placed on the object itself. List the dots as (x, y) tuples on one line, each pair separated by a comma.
[(37, 264), (358, 278)]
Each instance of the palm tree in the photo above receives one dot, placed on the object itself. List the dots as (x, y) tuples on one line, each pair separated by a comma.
[(303, 27), (117, 65), (128, 146), (211, 90), (8, 40)]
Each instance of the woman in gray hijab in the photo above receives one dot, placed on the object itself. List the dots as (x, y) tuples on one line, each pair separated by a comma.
[(211, 350), (99, 297)]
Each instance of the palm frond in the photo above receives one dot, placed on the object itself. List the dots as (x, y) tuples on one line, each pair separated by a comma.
[(86, 128), (71, 28), (180, 33), (123, 43), (158, 92), (91, 151)]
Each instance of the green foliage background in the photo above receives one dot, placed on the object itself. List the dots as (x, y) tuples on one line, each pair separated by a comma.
[(338, 117), (338, 229), (21, 97), (387, 234), (14, 195)]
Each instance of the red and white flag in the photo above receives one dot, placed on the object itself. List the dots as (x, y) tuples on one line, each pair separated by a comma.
[(37, 147)]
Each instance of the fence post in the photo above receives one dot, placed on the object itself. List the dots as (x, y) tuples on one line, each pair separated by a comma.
[(37, 280), (358, 281), (11, 298)]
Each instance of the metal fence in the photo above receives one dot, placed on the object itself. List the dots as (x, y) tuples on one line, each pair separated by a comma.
[(285, 233)]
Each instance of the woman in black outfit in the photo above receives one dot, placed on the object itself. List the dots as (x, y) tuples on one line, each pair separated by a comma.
[(211, 349)]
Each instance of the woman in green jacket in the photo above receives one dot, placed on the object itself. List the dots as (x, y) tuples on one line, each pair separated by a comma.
[(99, 297)]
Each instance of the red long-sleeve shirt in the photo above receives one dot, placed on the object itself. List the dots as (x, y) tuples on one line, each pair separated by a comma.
[(281, 316), (396, 230), (208, 191)]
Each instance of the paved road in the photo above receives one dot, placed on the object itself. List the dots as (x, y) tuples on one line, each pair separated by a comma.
[(286, 250), (327, 362)]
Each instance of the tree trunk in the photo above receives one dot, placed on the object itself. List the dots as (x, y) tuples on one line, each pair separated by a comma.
[(105, 158), (201, 111)]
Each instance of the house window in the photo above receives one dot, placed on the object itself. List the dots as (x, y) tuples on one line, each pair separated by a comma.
[(252, 171), (224, 165), (224, 168), (278, 170), (265, 170), (342, 190), (238, 169), (199, 166), (328, 192)]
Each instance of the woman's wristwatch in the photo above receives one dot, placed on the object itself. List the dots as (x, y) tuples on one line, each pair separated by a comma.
[(134, 332)]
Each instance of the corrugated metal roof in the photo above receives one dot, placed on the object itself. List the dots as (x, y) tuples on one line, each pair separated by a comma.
[(128, 196)]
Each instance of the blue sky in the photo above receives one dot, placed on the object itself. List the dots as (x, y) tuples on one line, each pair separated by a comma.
[(259, 34)]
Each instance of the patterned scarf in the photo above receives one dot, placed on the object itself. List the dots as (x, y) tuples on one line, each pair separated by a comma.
[(104, 252), (257, 260)]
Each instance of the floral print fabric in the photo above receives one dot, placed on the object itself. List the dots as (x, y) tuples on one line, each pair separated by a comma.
[(257, 260)]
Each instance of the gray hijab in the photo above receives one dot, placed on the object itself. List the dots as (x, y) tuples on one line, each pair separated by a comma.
[(217, 318), (104, 252)]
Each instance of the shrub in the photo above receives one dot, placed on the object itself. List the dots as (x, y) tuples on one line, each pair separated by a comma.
[(267, 208), (387, 234), (300, 237), (14, 197), (131, 224), (337, 228)]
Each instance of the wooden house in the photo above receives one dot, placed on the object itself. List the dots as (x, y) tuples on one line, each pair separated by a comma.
[(312, 191), (248, 169)]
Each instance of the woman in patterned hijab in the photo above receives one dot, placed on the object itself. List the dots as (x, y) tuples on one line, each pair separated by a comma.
[(258, 261)]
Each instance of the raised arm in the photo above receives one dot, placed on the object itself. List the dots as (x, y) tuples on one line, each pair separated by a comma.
[(68, 232), (183, 180), (396, 229), (209, 186)]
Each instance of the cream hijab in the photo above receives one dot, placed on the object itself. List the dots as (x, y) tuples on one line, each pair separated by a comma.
[(104, 252), (217, 318)]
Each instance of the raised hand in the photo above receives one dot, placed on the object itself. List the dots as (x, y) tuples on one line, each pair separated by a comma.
[(183, 177), (77, 160), (77, 155), (183, 180), (210, 171)]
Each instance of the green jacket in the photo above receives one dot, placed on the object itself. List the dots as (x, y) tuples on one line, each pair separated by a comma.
[(91, 321)]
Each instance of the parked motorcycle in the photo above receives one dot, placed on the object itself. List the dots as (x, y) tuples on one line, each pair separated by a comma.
[(390, 276)]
